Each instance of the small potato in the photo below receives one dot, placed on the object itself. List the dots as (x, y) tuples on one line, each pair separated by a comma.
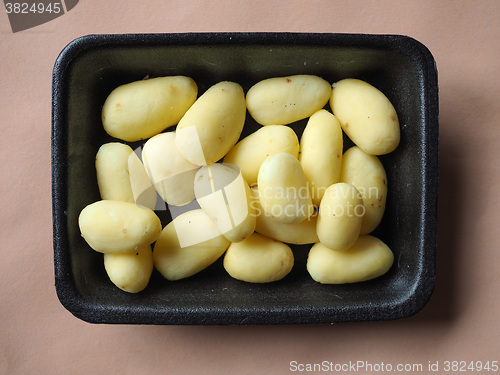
[(130, 271), (298, 234), (367, 259), (171, 174), (121, 176), (367, 174), (321, 153), (340, 216), (366, 115), (187, 245), (283, 191), (258, 259), (283, 100), (213, 124), (141, 109), (118, 227), (249, 153), (225, 197)]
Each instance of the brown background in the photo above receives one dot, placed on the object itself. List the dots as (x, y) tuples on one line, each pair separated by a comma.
[(38, 336)]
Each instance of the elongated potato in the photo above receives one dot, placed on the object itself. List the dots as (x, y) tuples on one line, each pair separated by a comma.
[(171, 174), (367, 259), (321, 153), (340, 216), (283, 191), (258, 259), (249, 153), (367, 174), (130, 271), (213, 124), (121, 176), (118, 227), (366, 115), (298, 233), (283, 100), (225, 197), (187, 245), (141, 109)]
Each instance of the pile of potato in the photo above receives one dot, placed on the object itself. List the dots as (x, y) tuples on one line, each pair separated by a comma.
[(254, 196)]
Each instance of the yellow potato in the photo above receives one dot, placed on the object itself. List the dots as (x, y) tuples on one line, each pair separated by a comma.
[(283, 100), (224, 196), (283, 191), (258, 259), (367, 174), (249, 153), (171, 174), (213, 124), (340, 216), (298, 233), (366, 115), (321, 153), (130, 271), (118, 227), (187, 245), (367, 259), (141, 109), (121, 176)]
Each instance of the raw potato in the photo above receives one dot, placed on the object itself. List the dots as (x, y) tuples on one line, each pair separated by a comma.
[(258, 259), (121, 176), (130, 271), (366, 115), (225, 197), (283, 191), (367, 259), (213, 124), (187, 245), (249, 153), (367, 174), (118, 227), (340, 216), (283, 100), (141, 109), (321, 147), (299, 234), (171, 174)]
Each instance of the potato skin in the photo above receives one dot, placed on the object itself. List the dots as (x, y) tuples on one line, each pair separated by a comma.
[(249, 153), (141, 109), (367, 259), (258, 259), (366, 116), (283, 100), (118, 227)]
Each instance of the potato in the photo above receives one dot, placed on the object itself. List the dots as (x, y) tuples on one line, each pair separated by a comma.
[(283, 191), (258, 259), (366, 115), (340, 216), (187, 245), (367, 259), (283, 100), (130, 271), (249, 153), (321, 148), (141, 109), (121, 176), (171, 174), (367, 174), (298, 233), (213, 124), (118, 227), (225, 197)]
